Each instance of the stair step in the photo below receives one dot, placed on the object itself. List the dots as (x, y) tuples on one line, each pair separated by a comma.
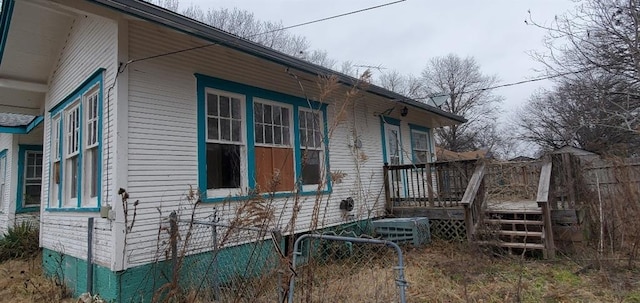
[(507, 221), (513, 245), (528, 211), (520, 233)]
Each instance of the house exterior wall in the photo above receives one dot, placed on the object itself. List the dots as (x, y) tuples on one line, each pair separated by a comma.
[(90, 46), (10, 213), (162, 137)]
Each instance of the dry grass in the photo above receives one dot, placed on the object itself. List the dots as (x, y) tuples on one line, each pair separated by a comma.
[(439, 272), (21, 280)]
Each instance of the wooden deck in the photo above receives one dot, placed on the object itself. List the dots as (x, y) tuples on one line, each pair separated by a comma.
[(434, 213)]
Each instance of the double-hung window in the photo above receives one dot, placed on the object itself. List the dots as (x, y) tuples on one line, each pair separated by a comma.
[(311, 146), (225, 147), (76, 149), (274, 158), (255, 141), (421, 145), (29, 178)]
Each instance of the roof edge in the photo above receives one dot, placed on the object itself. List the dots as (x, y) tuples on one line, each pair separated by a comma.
[(5, 21), (159, 15)]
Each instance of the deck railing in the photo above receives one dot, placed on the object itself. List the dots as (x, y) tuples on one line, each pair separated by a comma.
[(439, 184), (543, 202), (473, 200)]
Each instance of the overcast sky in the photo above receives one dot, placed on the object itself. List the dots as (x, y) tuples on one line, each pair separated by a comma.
[(404, 36)]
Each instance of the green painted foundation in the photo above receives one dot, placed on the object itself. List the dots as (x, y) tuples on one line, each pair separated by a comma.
[(141, 283)]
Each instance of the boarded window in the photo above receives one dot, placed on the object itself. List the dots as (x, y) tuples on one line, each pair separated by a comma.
[(274, 169)]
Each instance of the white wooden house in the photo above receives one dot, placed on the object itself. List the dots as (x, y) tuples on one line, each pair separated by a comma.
[(20, 169), (140, 98)]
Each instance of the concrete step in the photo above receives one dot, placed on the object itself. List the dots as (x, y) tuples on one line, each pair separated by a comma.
[(513, 245), (507, 221)]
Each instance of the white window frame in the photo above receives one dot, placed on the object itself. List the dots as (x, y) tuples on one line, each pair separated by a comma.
[(225, 192), (72, 142), (31, 181), (414, 148), (54, 188), (321, 149), (291, 124), (90, 119)]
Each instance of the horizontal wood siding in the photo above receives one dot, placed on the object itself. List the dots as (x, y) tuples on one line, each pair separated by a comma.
[(7, 212), (91, 44), (162, 134)]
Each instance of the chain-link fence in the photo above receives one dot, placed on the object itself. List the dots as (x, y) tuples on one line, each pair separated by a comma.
[(332, 268), (225, 262)]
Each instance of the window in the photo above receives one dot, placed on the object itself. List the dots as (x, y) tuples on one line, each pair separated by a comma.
[(76, 149), (420, 144), (251, 140), (225, 145), (311, 146), (54, 191), (29, 178), (273, 151), (3, 176)]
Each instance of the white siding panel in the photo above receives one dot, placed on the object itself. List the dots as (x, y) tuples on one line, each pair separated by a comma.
[(163, 144), (6, 210), (91, 44)]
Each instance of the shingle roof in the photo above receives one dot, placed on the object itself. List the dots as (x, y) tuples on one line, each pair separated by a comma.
[(13, 120)]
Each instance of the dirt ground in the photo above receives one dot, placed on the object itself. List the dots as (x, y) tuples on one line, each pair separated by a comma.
[(439, 272)]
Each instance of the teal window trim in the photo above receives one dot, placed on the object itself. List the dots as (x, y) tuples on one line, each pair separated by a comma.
[(96, 79), (424, 129), (22, 154), (5, 22), (205, 82), (392, 121), (24, 129)]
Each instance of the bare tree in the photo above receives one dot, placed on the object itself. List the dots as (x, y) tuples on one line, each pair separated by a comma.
[(465, 85), (594, 53), (409, 85)]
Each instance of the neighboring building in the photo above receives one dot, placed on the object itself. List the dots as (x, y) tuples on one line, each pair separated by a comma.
[(20, 169), (146, 100), (447, 155)]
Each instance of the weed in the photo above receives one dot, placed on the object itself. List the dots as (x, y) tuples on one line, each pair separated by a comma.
[(20, 241)]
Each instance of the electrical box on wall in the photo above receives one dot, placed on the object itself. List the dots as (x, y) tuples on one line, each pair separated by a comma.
[(105, 211), (347, 204)]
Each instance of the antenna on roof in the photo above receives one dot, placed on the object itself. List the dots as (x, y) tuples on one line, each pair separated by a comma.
[(438, 100)]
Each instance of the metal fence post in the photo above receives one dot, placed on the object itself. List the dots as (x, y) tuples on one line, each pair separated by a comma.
[(400, 280), (214, 261)]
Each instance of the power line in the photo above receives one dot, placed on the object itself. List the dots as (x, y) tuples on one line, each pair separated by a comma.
[(267, 32), (510, 84)]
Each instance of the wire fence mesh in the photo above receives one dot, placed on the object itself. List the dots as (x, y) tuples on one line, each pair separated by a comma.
[(216, 262)]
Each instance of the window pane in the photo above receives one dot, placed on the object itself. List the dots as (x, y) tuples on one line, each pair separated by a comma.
[(236, 129), (225, 110), (32, 194), (311, 167), (285, 116), (212, 128), (303, 138), (277, 111), (225, 129), (235, 108), (223, 166), (259, 133), (257, 112), (277, 135), (267, 114), (303, 119), (268, 134), (212, 104), (318, 139), (286, 139)]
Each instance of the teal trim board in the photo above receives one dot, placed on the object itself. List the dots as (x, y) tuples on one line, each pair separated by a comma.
[(250, 93), (5, 22), (22, 155)]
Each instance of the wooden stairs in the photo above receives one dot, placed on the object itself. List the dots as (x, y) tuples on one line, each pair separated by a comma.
[(519, 226), (515, 230)]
